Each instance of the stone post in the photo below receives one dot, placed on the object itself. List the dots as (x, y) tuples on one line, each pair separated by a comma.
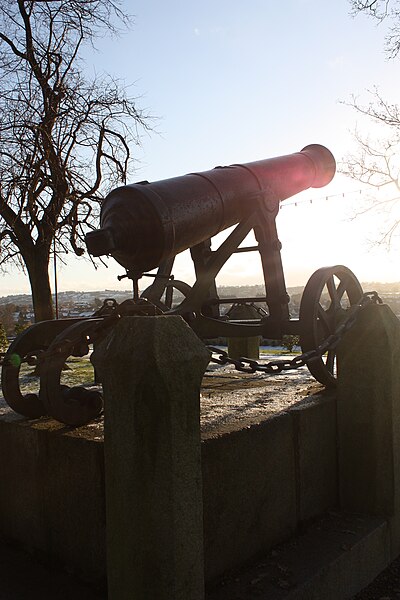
[(368, 413), (151, 369)]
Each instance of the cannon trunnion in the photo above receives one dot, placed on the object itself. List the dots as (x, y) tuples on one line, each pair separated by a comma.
[(144, 226)]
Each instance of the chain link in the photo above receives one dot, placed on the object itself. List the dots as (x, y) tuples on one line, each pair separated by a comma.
[(274, 367)]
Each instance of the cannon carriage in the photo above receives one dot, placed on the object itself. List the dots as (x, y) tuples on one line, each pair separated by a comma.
[(144, 226)]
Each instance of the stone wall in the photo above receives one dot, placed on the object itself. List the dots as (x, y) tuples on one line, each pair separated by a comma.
[(259, 484)]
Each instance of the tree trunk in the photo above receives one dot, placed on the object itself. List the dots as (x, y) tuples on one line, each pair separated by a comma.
[(37, 265)]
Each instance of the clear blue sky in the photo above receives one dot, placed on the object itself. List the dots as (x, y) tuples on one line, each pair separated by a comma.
[(235, 82)]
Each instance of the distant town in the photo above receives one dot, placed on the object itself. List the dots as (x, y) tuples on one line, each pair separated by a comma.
[(16, 310)]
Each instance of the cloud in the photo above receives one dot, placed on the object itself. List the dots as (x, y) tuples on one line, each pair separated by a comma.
[(196, 31)]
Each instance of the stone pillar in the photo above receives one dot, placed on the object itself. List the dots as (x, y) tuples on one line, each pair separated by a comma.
[(151, 369), (369, 417)]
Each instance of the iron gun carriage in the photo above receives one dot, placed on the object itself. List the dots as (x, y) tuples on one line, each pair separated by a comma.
[(144, 226)]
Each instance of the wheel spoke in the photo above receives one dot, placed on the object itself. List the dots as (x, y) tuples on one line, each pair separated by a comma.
[(341, 289), (324, 319), (330, 284)]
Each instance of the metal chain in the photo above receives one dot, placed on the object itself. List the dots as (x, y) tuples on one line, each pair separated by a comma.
[(246, 365), (274, 367)]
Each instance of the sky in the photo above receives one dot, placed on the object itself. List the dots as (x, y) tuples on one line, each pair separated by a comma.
[(232, 82)]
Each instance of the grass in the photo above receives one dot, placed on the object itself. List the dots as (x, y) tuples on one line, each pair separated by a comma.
[(79, 372), (278, 351)]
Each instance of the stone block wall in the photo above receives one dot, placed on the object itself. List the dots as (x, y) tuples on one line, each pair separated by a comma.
[(259, 484)]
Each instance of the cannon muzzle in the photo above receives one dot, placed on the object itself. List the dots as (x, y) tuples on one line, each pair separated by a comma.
[(143, 224)]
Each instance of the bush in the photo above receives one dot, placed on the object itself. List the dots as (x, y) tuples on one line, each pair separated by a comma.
[(20, 326), (290, 341)]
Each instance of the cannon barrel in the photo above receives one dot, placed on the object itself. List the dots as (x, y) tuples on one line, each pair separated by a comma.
[(145, 223)]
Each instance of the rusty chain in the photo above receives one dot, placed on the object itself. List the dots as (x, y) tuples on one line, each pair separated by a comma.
[(243, 364), (274, 367)]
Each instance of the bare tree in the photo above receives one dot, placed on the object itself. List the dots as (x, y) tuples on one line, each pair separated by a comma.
[(64, 138), (380, 10), (376, 160)]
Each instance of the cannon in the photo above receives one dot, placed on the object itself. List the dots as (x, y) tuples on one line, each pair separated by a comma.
[(144, 226)]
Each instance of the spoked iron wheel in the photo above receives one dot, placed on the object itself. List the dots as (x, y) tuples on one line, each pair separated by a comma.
[(166, 303), (161, 292), (325, 303)]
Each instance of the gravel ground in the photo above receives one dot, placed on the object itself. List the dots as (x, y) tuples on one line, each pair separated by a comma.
[(231, 400)]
